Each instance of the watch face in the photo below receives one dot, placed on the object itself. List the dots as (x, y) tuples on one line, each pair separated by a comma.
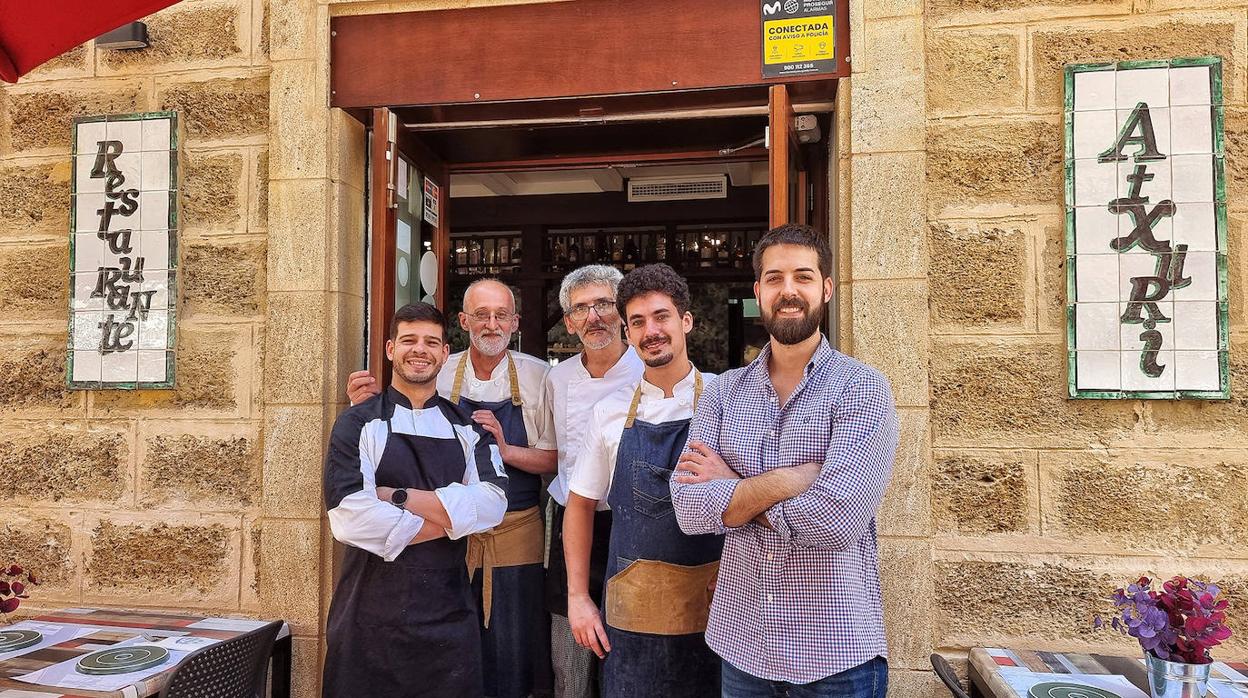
[(399, 497)]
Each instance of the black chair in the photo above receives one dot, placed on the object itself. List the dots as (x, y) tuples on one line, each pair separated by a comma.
[(234, 668), (948, 676)]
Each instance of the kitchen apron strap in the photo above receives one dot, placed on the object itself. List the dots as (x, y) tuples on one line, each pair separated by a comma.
[(513, 376), (632, 408)]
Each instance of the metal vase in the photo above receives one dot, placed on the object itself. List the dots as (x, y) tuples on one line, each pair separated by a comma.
[(1177, 679)]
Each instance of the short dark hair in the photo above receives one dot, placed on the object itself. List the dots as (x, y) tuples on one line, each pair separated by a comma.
[(652, 278), (417, 312), (794, 234)]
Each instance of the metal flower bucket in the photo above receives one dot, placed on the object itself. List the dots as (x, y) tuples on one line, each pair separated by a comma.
[(1177, 679)]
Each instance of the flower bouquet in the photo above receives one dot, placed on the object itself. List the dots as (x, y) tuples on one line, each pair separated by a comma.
[(13, 585), (1176, 626)]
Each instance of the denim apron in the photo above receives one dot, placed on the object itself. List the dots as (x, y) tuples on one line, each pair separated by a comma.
[(644, 535), (407, 628), (515, 645)]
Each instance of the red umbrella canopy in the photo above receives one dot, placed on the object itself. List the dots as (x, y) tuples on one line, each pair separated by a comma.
[(35, 31)]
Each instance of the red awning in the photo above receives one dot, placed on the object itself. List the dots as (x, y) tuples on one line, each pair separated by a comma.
[(35, 31)]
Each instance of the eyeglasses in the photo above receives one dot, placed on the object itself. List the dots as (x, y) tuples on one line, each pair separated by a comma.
[(580, 312), (500, 317)]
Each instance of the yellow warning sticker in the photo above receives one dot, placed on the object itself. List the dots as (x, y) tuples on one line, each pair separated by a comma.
[(797, 40)]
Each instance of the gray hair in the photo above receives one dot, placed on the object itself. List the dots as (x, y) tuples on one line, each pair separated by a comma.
[(586, 276), (488, 279)]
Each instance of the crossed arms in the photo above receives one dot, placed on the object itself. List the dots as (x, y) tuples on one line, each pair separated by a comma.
[(360, 512), (827, 505)]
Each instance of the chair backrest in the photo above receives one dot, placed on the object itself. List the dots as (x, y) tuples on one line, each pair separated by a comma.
[(234, 668), (948, 676)]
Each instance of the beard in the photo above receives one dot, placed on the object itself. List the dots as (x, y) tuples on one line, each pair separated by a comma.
[(413, 376), (660, 360), (490, 345), (792, 330), (600, 340)]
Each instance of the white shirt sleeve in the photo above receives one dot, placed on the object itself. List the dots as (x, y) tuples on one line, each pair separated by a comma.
[(591, 475), (544, 419), (479, 503)]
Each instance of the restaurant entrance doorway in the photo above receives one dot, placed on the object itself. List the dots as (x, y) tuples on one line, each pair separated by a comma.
[(529, 199)]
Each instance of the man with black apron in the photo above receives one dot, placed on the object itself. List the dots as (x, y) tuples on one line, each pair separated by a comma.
[(659, 580), (505, 393), (407, 478)]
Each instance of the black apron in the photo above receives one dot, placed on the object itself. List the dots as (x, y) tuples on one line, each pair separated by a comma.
[(515, 643), (644, 528), (407, 628)]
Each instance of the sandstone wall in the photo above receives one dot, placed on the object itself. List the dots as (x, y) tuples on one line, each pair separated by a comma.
[(1006, 521), (155, 498), (1041, 504)]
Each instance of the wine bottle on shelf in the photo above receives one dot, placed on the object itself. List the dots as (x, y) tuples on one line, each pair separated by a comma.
[(515, 253), (660, 248), (474, 256), (708, 252), (631, 254), (504, 251), (574, 253), (561, 254), (617, 252)]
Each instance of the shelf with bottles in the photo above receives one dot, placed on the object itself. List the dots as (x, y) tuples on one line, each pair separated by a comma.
[(729, 246), (485, 253), (626, 248)]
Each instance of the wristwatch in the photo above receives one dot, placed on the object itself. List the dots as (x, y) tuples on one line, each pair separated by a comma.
[(398, 498)]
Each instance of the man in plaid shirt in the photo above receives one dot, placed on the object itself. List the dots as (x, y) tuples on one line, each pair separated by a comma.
[(789, 457)]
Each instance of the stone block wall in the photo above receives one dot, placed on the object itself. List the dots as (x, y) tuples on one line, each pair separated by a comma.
[(1012, 509), (152, 498), (1041, 504)]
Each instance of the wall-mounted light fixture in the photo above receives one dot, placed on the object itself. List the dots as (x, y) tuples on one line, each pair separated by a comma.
[(129, 36)]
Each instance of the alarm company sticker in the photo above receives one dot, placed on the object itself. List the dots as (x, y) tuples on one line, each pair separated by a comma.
[(798, 37)]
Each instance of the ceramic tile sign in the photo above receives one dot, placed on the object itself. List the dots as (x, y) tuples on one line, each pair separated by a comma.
[(1146, 231), (123, 252)]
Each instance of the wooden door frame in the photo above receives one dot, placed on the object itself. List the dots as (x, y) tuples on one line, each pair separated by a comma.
[(383, 238)]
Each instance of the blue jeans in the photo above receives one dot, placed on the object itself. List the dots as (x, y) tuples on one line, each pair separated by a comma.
[(867, 680)]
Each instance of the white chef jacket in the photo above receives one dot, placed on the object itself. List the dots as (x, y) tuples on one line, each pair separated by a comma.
[(595, 465), (573, 394)]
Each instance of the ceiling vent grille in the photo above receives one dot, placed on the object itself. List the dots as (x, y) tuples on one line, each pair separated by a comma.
[(678, 188)]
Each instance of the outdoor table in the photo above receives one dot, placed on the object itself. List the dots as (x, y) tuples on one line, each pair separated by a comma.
[(98, 628), (987, 665)]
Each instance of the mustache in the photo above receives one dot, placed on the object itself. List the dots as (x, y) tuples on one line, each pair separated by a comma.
[(655, 339), (790, 302)]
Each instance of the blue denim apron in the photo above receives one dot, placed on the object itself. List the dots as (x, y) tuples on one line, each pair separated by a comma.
[(644, 528), (407, 628), (514, 638)]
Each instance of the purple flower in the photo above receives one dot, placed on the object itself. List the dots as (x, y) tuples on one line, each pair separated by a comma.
[(1181, 622)]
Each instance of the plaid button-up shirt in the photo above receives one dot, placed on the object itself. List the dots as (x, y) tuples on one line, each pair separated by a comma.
[(800, 602)]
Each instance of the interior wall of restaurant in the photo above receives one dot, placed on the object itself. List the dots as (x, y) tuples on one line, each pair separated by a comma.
[(1041, 505)]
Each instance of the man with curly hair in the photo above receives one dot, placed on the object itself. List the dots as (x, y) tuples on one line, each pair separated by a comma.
[(659, 580)]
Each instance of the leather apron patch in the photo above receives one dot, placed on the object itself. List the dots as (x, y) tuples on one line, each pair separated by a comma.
[(660, 598)]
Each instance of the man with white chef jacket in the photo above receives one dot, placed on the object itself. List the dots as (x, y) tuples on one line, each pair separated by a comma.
[(587, 296), (658, 579)]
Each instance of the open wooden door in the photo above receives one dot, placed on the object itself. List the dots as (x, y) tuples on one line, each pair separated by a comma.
[(410, 229), (788, 177)]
